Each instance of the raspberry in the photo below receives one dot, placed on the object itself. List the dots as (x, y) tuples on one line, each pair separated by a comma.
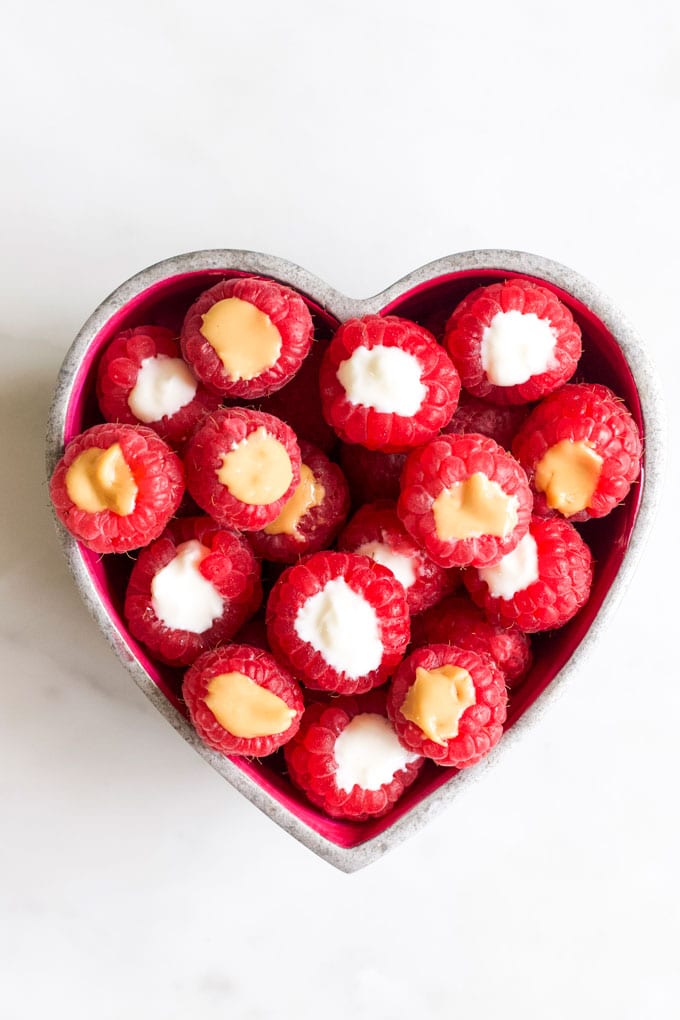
[(513, 342), (299, 403), (219, 689), (456, 621), (242, 467), (587, 429), (542, 584), (376, 531), (171, 403), (146, 468), (371, 475), (215, 566), (314, 515), (459, 699), (498, 423), (349, 740), (386, 383), (464, 499), (340, 622), (283, 332)]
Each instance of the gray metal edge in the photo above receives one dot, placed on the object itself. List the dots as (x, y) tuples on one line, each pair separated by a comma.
[(342, 307)]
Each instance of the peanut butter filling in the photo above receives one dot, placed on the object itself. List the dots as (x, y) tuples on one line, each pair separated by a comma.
[(101, 480), (246, 709), (258, 470), (476, 506), (309, 493), (437, 700), (244, 338), (568, 473)]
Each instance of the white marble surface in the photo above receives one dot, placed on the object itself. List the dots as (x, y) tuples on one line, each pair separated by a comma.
[(359, 140)]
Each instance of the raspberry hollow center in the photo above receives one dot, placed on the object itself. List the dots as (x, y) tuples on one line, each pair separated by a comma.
[(343, 626), (102, 480), (246, 709), (243, 337), (309, 493), (476, 506), (368, 753), (257, 471), (437, 699), (568, 473)]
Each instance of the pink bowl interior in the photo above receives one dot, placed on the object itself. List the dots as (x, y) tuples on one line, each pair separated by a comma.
[(430, 304)]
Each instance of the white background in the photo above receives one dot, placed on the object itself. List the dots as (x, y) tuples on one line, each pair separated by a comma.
[(359, 139)]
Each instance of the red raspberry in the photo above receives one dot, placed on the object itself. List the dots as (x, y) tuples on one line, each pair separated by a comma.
[(376, 531), (314, 515), (298, 403), (222, 712), (371, 475), (498, 423), (228, 565), (465, 500), (156, 472), (456, 621), (340, 622), (285, 310), (380, 414), (234, 504), (473, 339), (598, 421), (554, 566), (468, 702), (134, 352), (324, 763)]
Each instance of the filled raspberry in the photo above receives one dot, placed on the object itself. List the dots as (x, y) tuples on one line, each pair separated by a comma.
[(581, 450), (541, 584), (464, 499), (143, 378), (376, 531), (387, 384), (116, 487), (312, 517), (499, 423), (448, 704), (191, 590), (247, 337), (348, 760), (340, 622), (298, 403), (457, 621), (242, 467), (513, 342), (371, 474), (242, 701)]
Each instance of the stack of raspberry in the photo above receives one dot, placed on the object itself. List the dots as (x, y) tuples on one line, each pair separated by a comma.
[(289, 618)]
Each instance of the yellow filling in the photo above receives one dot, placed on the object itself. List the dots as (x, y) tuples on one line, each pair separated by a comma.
[(101, 480), (437, 699), (245, 709), (244, 338), (568, 473), (476, 506), (258, 470), (309, 493)]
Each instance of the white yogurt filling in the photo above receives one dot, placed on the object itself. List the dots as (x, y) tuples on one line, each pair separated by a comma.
[(516, 346), (343, 627), (515, 572), (400, 565), (384, 378), (164, 385), (181, 597), (368, 753)]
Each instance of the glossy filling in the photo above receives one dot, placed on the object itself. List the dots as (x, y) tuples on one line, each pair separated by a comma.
[(437, 699), (244, 338), (164, 386), (246, 709), (308, 494), (181, 597), (341, 625), (474, 507), (368, 753), (568, 473), (516, 346), (384, 378), (257, 471), (101, 480)]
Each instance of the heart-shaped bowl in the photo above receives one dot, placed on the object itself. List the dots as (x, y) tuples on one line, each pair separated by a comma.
[(612, 354)]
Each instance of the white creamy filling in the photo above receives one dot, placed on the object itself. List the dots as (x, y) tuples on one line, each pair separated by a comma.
[(384, 378), (400, 565), (368, 753), (164, 385), (515, 572), (343, 627), (181, 597), (516, 346)]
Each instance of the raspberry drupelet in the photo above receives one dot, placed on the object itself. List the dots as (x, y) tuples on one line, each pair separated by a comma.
[(371, 474), (339, 621), (464, 499), (298, 403), (499, 423), (242, 467), (387, 384), (581, 450), (116, 487), (142, 378), (541, 584), (242, 701), (191, 590), (513, 342), (245, 338), (347, 758)]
